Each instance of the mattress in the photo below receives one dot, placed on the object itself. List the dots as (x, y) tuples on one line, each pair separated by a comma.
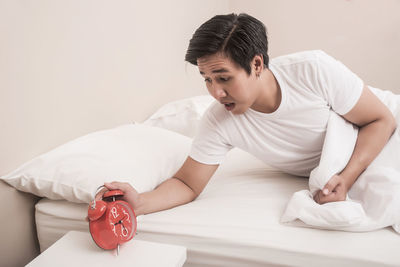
[(236, 222)]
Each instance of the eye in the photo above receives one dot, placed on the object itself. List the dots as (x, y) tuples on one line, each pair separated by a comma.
[(223, 79), (207, 80)]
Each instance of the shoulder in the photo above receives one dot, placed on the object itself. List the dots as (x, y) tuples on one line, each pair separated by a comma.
[(309, 65), (301, 58)]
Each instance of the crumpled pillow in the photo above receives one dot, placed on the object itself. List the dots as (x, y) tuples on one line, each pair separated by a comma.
[(142, 155), (182, 116)]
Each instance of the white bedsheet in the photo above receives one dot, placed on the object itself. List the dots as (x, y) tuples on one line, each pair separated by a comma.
[(236, 222), (373, 201)]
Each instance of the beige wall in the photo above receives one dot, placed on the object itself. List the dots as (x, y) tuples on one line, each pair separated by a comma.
[(363, 34), (68, 68)]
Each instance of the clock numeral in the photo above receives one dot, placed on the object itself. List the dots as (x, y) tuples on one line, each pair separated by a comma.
[(124, 231), (114, 212), (127, 214), (113, 229)]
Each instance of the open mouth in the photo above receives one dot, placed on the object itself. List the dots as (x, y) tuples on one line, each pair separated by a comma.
[(229, 106)]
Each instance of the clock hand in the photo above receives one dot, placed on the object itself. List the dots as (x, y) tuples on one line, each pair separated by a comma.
[(120, 221)]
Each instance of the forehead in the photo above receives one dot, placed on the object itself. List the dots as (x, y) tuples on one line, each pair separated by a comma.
[(216, 63)]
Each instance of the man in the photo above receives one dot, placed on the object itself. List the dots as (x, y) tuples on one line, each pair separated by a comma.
[(276, 111)]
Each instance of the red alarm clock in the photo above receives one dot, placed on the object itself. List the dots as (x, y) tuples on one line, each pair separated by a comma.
[(111, 221)]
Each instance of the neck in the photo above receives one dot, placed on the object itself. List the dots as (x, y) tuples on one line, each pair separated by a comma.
[(269, 96)]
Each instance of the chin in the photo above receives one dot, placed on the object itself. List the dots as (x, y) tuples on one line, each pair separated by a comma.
[(238, 111)]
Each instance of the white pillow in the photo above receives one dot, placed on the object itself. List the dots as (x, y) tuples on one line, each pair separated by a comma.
[(142, 155), (182, 116)]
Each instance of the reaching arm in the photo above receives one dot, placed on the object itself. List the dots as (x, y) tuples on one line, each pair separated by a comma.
[(182, 188), (376, 124)]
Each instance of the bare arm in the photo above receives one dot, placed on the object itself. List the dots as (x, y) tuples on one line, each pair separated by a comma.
[(376, 124), (182, 188)]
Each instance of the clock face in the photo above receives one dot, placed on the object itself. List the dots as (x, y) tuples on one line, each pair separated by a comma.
[(116, 226), (122, 221)]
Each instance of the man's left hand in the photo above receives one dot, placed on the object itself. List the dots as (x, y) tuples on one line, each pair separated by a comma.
[(334, 190)]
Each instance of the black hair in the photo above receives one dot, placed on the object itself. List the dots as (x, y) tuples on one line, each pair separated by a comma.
[(240, 37)]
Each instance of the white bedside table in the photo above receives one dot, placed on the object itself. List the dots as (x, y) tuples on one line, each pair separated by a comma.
[(78, 249)]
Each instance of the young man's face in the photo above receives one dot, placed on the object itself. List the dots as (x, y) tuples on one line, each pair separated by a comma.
[(228, 83)]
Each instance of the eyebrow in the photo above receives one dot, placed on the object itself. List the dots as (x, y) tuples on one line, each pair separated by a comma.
[(216, 71)]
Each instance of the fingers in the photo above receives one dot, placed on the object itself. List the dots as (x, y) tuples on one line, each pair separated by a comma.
[(118, 185), (322, 199), (124, 187), (114, 185), (330, 185), (336, 195)]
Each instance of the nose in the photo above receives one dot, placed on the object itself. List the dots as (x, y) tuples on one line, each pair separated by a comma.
[(218, 92)]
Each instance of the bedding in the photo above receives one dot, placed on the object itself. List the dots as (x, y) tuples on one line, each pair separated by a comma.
[(235, 222), (373, 201), (181, 116)]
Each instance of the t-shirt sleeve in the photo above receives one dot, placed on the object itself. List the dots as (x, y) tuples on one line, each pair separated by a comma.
[(340, 86), (209, 145)]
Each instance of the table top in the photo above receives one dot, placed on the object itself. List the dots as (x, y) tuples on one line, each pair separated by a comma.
[(78, 249)]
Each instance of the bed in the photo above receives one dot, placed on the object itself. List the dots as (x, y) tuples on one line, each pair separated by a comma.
[(236, 221)]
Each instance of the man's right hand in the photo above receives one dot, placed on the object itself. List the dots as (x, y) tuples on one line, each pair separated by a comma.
[(180, 189), (130, 194)]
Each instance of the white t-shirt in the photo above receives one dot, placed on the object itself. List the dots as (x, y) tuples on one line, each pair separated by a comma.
[(291, 137)]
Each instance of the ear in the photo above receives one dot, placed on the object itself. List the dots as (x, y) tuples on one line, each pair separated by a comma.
[(257, 64)]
